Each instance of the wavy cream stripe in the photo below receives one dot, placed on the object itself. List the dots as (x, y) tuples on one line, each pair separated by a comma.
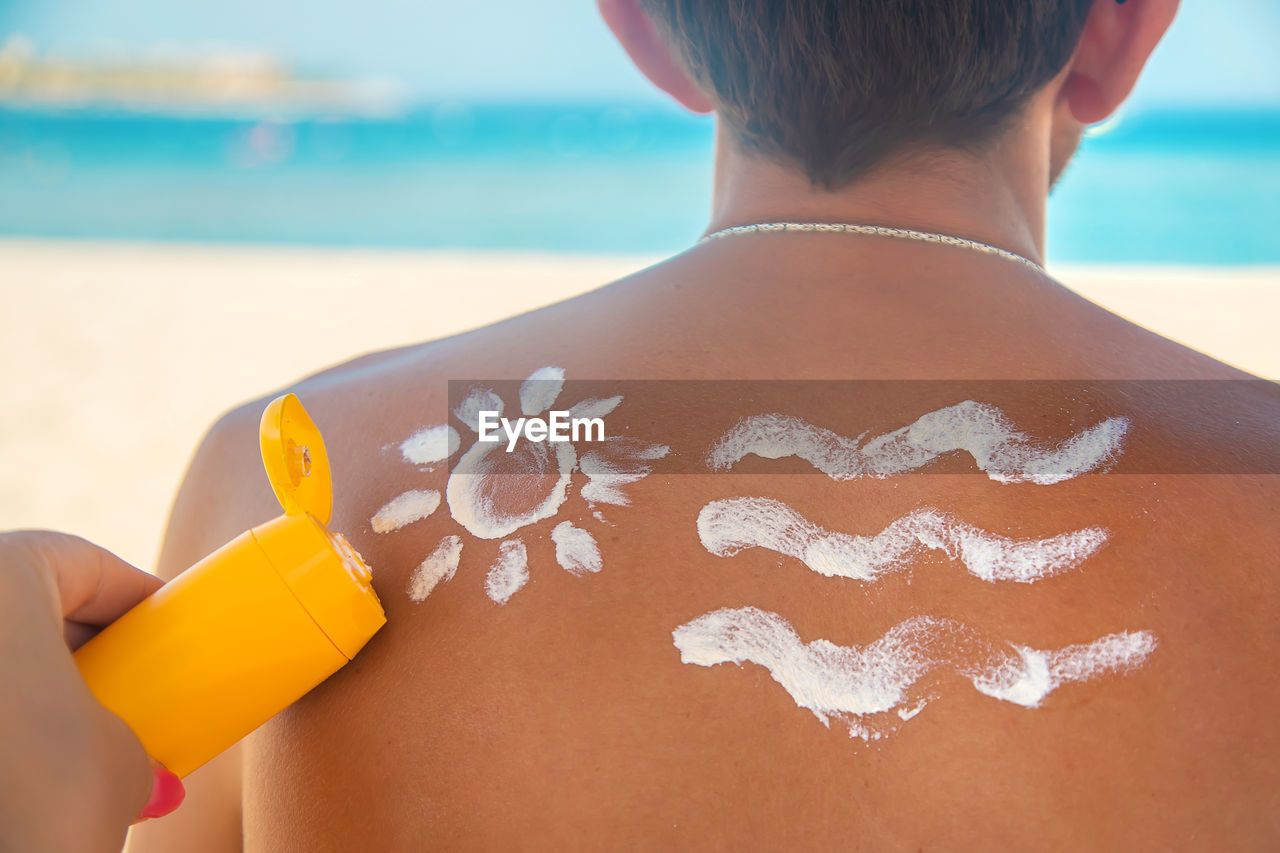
[(729, 526), (979, 429), (872, 688)]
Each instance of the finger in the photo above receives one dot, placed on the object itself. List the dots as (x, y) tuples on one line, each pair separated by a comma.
[(167, 793), (93, 585), (76, 634), (137, 788)]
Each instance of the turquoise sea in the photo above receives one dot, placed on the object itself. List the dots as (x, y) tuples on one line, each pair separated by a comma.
[(1171, 187)]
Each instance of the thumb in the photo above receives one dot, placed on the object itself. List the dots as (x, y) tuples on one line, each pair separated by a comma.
[(87, 584)]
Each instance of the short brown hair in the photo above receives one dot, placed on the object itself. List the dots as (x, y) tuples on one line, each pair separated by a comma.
[(836, 86)]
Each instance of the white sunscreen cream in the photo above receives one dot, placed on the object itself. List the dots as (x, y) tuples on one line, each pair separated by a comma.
[(979, 429), (437, 568), (477, 400), (509, 572), (540, 390), (617, 462), (493, 494), (413, 505), (727, 527), (576, 549), (873, 688), (430, 444)]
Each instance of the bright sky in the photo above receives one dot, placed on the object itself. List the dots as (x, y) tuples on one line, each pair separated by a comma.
[(1217, 53)]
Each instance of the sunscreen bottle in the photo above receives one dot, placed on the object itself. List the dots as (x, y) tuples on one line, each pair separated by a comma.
[(249, 629)]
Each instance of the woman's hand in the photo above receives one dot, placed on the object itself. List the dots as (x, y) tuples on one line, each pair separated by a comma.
[(72, 774)]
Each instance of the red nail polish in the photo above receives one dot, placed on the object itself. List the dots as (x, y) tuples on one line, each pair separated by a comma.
[(167, 794)]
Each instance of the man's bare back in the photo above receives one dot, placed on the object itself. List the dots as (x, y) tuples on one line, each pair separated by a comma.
[(1027, 603), (570, 715)]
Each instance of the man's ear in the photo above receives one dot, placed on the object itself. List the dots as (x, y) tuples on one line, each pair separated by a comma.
[(651, 54), (1118, 38)]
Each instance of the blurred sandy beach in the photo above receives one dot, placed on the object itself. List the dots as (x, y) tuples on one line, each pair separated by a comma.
[(115, 357)]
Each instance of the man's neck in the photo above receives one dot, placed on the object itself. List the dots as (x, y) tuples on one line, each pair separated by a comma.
[(998, 199)]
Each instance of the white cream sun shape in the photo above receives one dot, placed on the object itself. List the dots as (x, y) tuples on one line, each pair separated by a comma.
[(492, 494)]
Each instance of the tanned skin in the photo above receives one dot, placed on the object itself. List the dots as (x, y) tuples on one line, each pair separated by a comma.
[(565, 717)]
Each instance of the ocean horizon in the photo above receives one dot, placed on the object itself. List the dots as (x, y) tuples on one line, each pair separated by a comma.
[(1167, 187)]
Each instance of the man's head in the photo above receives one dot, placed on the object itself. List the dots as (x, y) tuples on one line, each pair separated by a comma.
[(836, 87)]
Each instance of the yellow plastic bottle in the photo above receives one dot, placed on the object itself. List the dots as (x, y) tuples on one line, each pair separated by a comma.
[(249, 629)]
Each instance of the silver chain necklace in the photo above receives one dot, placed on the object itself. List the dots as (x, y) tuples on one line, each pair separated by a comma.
[(874, 231)]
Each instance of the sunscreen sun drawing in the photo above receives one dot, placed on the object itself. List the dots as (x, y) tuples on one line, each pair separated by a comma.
[(498, 488)]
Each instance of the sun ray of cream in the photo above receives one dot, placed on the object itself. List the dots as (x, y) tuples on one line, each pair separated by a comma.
[(413, 505), (614, 463), (576, 549), (594, 407), (437, 568), (539, 391), (477, 400), (430, 444), (509, 572)]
